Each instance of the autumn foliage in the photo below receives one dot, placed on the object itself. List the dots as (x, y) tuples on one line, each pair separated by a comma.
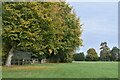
[(43, 28)]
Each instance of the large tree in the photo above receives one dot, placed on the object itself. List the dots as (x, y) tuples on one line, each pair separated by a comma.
[(43, 28), (105, 52), (92, 55)]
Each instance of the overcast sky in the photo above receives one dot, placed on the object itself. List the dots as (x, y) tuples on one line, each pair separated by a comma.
[(100, 21)]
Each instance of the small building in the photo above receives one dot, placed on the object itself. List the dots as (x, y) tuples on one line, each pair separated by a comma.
[(21, 57)]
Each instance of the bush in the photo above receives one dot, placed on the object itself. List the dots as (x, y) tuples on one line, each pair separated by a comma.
[(88, 58), (92, 57), (69, 58), (60, 58), (79, 57)]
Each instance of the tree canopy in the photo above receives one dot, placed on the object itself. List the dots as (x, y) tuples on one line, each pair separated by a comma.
[(92, 55), (43, 28), (114, 53), (105, 52)]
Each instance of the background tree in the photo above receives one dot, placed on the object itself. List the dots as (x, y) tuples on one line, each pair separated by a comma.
[(91, 55), (118, 55), (44, 28), (114, 54), (105, 52), (79, 57)]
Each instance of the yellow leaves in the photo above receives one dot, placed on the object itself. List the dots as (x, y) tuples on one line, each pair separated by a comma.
[(16, 26), (56, 9), (17, 10), (43, 47), (60, 38), (44, 9), (25, 22), (9, 9), (41, 53), (45, 17), (31, 34), (55, 53), (26, 26), (7, 29), (50, 51), (13, 31), (32, 3)]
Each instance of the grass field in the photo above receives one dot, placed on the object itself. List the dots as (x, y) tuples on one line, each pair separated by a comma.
[(63, 70)]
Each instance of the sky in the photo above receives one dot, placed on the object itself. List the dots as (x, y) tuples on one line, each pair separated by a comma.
[(100, 21)]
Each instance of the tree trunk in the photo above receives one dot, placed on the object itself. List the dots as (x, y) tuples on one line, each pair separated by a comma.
[(8, 61)]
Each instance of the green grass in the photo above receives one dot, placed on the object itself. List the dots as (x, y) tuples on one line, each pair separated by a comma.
[(70, 70)]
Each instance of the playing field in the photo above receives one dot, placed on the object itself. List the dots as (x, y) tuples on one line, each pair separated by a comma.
[(63, 70)]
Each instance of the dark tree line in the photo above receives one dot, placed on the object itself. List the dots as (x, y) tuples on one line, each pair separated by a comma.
[(105, 54)]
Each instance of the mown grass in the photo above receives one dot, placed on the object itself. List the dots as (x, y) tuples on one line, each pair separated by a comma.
[(63, 70)]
